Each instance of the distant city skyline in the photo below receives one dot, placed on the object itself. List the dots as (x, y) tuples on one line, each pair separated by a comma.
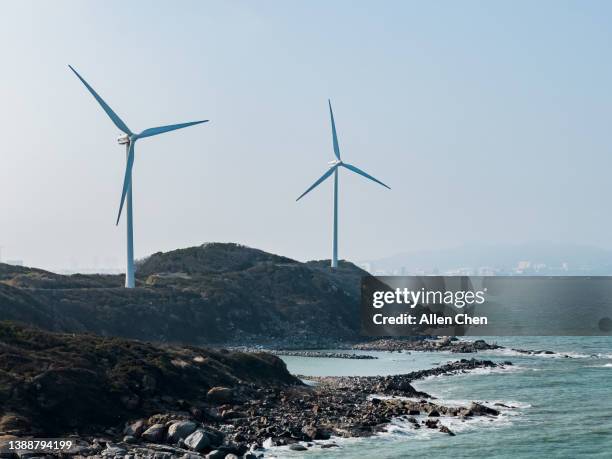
[(533, 258), (490, 120)]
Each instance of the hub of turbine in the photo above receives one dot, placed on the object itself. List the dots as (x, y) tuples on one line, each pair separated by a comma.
[(123, 139)]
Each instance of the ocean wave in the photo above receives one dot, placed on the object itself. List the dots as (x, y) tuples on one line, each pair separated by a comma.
[(400, 428), (605, 365), (278, 452), (507, 352), (510, 407)]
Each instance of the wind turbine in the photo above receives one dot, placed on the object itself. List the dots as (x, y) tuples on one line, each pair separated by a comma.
[(334, 166), (129, 140)]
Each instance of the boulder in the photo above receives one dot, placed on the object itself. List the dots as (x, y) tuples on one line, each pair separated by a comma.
[(329, 445), (220, 395), (135, 429), (11, 423), (445, 429), (314, 433), (477, 408), (114, 450), (215, 436), (297, 447), (180, 429), (197, 441), (434, 414), (155, 433), (431, 423)]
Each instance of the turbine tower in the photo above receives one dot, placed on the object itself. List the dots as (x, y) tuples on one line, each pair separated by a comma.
[(334, 167), (129, 140)]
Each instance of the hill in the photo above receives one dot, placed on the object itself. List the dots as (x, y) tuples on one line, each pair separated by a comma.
[(58, 383), (214, 293)]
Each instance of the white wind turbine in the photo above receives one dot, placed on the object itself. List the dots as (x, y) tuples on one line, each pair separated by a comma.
[(334, 166), (129, 140)]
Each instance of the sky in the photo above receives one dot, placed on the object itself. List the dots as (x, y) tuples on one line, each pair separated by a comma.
[(489, 120)]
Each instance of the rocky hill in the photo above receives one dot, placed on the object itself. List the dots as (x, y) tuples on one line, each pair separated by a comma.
[(57, 383), (215, 293), (124, 398)]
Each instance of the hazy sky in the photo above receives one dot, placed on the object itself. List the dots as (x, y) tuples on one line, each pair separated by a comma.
[(491, 121)]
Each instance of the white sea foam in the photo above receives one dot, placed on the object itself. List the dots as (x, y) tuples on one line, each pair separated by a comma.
[(482, 371), (267, 443), (555, 355), (508, 409), (605, 365), (400, 428), (605, 356)]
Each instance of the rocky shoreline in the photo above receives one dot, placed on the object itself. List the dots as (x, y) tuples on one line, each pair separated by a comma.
[(433, 344), (117, 398), (228, 426), (317, 354), (451, 344)]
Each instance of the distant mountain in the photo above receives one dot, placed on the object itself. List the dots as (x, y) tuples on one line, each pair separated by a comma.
[(572, 258), (214, 293)]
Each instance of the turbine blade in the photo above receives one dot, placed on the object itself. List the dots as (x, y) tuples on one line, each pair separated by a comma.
[(315, 184), (109, 111), (334, 135), (161, 129), (127, 180), (366, 175)]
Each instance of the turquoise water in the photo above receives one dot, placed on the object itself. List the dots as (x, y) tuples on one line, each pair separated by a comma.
[(562, 406)]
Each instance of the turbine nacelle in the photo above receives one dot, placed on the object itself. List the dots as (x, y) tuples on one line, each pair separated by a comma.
[(337, 163), (123, 139)]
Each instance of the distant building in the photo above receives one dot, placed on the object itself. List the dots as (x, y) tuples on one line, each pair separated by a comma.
[(565, 266), (487, 271), (459, 272), (523, 265)]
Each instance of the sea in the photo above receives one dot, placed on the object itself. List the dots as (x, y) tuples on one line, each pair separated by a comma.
[(560, 405)]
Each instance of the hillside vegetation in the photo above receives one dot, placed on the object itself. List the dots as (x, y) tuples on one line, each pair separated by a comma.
[(53, 383), (214, 293)]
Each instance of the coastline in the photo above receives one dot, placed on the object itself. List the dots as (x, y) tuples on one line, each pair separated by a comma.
[(254, 407), (197, 402), (297, 417)]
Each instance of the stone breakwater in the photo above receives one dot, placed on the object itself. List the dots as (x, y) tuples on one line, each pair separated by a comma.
[(327, 355), (400, 385), (228, 426), (451, 344), (427, 345)]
